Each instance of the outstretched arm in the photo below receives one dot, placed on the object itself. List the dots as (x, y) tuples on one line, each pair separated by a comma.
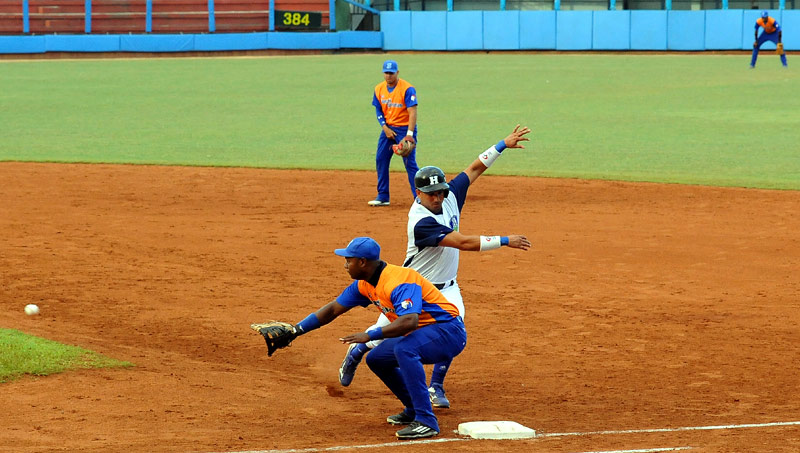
[(330, 311), (279, 335), (479, 243), (319, 318), (486, 158)]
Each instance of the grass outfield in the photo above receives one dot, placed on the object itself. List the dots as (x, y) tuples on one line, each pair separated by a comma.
[(699, 119), (25, 354)]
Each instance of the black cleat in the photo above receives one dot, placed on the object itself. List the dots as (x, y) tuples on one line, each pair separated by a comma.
[(416, 430), (400, 419)]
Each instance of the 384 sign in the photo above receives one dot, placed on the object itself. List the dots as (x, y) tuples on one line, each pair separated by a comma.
[(298, 19)]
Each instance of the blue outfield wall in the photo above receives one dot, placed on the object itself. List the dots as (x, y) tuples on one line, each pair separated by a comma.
[(581, 30), (501, 30), (790, 24), (718, 22), (611, 30), (191, 43), (537, 30), (574, 30), (686, 30), (648, 30), (400, 24), (428, 29), (464, 30)]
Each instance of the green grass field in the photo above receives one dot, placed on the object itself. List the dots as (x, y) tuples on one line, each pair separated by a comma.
[(22, 354), (698, 119)]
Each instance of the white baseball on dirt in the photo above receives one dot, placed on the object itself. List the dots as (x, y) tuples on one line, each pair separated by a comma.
[(31, 309)]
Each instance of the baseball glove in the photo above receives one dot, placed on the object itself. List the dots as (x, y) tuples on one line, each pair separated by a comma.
[(277, 334), (779, 49), (405, 147)]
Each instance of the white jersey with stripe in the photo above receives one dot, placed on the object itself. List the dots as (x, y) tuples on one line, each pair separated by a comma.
[(426, 230)]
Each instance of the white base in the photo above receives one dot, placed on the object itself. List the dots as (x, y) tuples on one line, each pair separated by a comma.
[(495, 430)]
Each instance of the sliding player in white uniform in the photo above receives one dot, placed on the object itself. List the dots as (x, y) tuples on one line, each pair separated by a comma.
[(434, 242)]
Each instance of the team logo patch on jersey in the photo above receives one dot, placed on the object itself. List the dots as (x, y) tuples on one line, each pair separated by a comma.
[(413, 98), (406, 303)]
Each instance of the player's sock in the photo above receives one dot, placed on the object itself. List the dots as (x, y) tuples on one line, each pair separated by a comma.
[(359, 351), (439, 373), (755, 56)]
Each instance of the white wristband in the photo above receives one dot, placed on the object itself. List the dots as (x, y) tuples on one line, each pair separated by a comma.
[(410, 133), (490, 243), (489, 156)]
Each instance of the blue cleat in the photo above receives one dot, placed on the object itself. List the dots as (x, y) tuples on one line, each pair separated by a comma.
[(438, 399), (349, 365)]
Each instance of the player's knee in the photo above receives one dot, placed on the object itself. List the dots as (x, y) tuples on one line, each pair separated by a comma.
[(371, 362), (376, 361), (405, 353)]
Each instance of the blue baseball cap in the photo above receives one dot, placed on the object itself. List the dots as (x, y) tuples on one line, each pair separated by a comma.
[(390, 66), (765, 14), (361, 247)]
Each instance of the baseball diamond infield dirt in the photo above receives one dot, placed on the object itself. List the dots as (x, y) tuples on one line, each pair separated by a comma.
[(640, 306)]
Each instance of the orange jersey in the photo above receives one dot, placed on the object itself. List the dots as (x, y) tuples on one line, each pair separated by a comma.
[(768, 26), (400, 291), (393, 104)]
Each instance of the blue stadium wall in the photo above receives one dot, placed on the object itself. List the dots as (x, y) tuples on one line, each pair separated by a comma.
[(581, 30), (464, 30)]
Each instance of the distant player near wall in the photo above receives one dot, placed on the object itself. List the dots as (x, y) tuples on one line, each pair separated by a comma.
[(772, 32)]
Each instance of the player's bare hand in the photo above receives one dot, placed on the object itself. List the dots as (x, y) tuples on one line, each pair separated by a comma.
[(360, 337), (516, 241), (389, 132), (514, 138)]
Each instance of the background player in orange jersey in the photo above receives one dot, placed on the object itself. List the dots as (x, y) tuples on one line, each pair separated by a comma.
[(395, 102)]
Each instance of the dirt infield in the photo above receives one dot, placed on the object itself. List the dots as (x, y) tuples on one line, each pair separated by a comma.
[(640, 306)]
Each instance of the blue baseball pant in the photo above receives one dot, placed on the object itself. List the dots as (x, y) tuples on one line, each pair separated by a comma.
[(383, 157), (761, 40), (398, 362)]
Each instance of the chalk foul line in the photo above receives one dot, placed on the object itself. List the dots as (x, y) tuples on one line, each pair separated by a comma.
[(669, 430), (643, 450), (539, 436), (353, 447)]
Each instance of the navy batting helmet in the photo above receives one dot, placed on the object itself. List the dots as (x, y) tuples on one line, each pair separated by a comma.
[(431, 179)]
